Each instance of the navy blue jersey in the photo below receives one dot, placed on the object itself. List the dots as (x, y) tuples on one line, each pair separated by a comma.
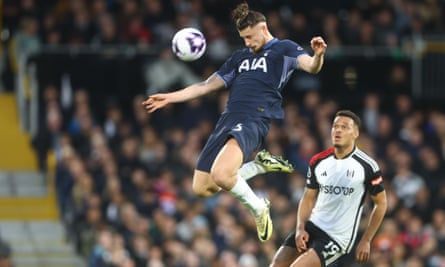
[(255, 80)]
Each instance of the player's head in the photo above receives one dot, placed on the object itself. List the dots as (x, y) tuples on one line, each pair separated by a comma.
[(345, 128), (251, 26)]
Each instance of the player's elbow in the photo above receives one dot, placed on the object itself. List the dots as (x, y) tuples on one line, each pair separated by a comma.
[(315, 71), (311, 68), (381, 203)]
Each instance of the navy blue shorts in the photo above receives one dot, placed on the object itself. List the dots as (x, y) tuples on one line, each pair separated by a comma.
[(249, 131), (327, 249)]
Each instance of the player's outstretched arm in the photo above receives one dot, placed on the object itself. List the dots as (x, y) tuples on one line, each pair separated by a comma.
[(363, 250), (313, 64), (157, 101)]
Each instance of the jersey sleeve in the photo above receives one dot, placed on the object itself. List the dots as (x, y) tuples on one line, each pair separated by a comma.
[(292, 52), (374, 182), (228, 70)]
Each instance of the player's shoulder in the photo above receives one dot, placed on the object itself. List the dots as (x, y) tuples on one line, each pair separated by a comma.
[(321, 155), (288, 43), (289, 47), (240, 53), (365, 159)]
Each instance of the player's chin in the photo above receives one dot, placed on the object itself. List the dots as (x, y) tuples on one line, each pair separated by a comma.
[(255, 49)]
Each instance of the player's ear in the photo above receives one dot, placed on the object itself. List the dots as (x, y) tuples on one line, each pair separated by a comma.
[(356, 132), (264, 28)]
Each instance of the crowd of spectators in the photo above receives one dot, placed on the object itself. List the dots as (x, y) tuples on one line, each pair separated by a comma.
[(123, 179), (124, 184), (147, 22), (150, 24)]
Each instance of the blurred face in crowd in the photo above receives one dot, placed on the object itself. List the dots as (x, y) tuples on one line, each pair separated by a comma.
[(254, 37), (344, 132)]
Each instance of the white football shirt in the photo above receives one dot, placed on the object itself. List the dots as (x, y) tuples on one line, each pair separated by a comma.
[(342, 184)]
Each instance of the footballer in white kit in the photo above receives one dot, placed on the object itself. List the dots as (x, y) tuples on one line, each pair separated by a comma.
[(338, 180), (342, 185)]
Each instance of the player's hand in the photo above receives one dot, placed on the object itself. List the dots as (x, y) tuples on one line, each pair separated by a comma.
[(318, 45), (301, 239), (155, 102), (363, 251)]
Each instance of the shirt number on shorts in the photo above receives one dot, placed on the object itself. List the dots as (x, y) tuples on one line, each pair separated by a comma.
[(330, 249)]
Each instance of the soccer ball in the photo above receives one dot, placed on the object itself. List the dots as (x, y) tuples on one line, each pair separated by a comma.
[(189, 44)]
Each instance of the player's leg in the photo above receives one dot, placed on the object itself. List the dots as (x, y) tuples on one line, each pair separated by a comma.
[(224, 170), (203, 184), (225, 174), (307, 259), (284, 257), (323, 250), (264, 162)]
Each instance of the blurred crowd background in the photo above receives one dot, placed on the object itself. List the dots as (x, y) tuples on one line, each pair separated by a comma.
[(123, 177)]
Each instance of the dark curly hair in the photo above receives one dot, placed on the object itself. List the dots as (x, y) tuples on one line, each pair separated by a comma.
[(244, 17)]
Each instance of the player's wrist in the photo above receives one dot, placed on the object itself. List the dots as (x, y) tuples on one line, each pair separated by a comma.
[(366, 239), (300, 227)]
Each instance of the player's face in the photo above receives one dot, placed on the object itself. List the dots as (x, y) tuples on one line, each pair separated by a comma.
[(254, 36), (343, 132)]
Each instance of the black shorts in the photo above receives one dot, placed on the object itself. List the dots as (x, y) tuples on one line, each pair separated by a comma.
[(327, 249), (249, 131)]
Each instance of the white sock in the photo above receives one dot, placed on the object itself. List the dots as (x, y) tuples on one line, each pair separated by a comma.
[(247, 197), (250, 169)]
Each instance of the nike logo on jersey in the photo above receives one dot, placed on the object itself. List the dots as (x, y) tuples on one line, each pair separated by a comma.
[(253, 64)]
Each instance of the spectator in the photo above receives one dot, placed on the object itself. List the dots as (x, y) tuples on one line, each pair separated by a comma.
[(24, 42), (406, 182), (371, 114), (166, 73), (5, 254), (49, 135), (418, 241)]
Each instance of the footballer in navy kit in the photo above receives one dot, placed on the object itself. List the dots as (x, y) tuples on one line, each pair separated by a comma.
[(254, 77), (259, 78)]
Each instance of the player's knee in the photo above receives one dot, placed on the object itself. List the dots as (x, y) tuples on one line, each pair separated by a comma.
[(203, 185), (284, 257), (217, 178), (200, 190), (281, 263), (223, 177)]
